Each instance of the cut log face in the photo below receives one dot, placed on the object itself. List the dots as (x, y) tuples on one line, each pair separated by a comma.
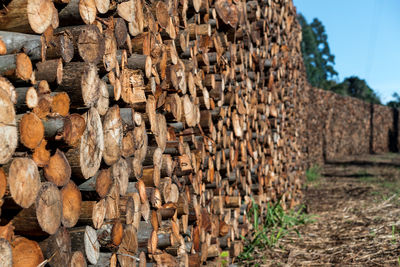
[(57, 248), (49, 208), (31, 130), (74, 127), (92, 245), (71, 204), (5, 253), (132, 86), (24, 181), (112, 128), (87, 9), (78, 259), (58, 169), (40, 14), (60, 104), (128, 246), (120, 172), (92, 144), (91, 44), (25, 253), (90, 86), (8, 129)]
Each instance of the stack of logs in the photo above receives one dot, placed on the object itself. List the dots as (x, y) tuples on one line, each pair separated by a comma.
[(139, 132)]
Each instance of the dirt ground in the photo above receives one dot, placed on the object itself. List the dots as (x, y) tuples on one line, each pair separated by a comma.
[(356, 203)]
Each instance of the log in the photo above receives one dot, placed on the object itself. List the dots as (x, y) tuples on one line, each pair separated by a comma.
[(17, 66), (26, 252), (5, 253), (112, 128), (8, 129), (24, 181), (57, 248), (85, 160), (27, 16), (28, 43), (71, 204), (49, 208)]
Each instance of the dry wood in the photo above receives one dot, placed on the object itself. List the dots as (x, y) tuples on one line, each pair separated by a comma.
[(50, 70), (78, 259), (5, 253), (24, 181), (26, 252), (57, 248), (112, 128), (17, 66), (16, 42), (25, 16), (8, 129), (58, 169), (49, 208), (71, 204), (85, 160)]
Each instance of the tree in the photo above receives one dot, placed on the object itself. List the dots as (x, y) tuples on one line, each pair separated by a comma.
[(317, 57), (394, 103), (356, 87)]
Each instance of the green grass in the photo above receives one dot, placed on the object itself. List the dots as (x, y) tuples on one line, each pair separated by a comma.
[(271, 227), (313, 173)]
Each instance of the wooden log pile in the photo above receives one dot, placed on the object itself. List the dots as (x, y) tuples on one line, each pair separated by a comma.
[(337, 126), (138, 132)]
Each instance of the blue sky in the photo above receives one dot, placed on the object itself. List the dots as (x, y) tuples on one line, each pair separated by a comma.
[(364, 36)]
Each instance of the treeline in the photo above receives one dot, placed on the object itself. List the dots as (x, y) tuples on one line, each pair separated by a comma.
[(319, 63)]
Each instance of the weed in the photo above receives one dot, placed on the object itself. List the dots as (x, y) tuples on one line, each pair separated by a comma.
[(313, 173), (271, 227), (224, 258)]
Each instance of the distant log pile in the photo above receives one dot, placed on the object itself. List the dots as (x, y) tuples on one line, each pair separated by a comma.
[(336, 126), (139, 131)]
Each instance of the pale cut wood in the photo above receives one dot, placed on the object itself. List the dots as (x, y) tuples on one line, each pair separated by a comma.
[(5, 253), (128, 246), (85, 239), (8, 128), (27, 15), (85, 160), (24, 181), (120, 172), (9, 88), (49, 208), (112, 128), (102, 5), (132, 86), (87, 10)]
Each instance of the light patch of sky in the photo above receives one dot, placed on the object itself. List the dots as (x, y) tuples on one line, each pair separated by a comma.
[(364, 37)]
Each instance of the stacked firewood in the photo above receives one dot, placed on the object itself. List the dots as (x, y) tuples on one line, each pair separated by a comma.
[(137, 132), (336, 126)]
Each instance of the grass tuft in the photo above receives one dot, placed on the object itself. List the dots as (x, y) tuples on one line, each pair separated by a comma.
[(313, 173), (268, 229)]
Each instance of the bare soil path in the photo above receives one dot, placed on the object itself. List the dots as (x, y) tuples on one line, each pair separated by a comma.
[(356, 202)]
